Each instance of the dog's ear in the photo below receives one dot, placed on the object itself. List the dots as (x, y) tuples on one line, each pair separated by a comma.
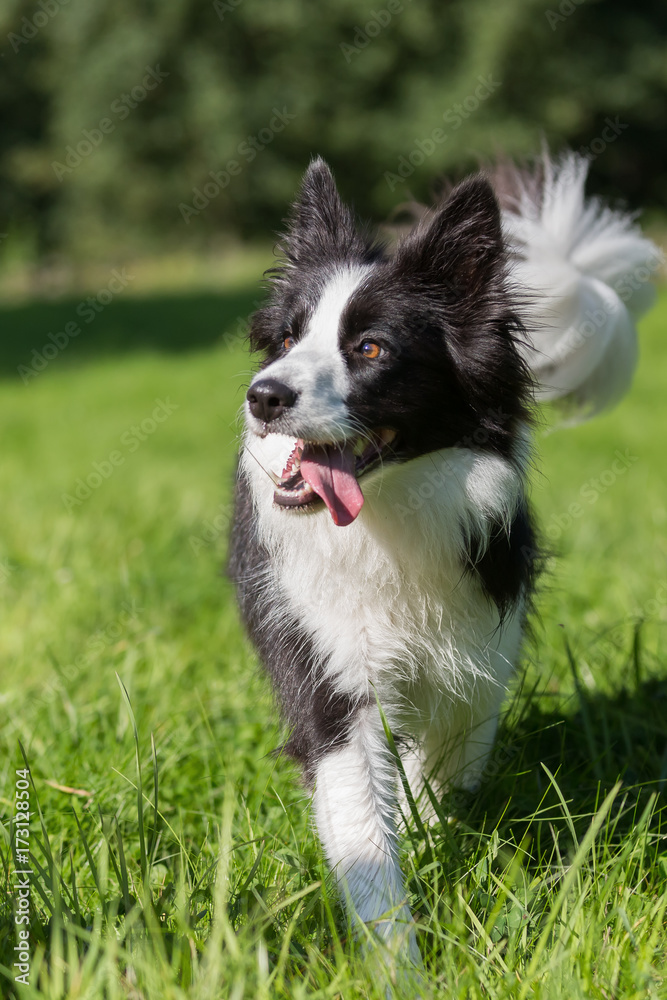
[(459, 247), (321, 226)]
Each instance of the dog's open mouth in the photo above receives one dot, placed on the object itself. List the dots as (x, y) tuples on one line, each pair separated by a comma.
[(330, 472)]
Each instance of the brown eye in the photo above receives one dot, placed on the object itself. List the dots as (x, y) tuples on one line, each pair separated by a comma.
[(371, 350), (288, 343)]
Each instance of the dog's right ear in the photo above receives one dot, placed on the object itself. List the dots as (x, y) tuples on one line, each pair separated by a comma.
[(459, 246), (321, 227)]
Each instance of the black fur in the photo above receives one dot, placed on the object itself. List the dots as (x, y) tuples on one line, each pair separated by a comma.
[(449, 374), (318, 718), (321, 232), (506, 566), (440, 306)]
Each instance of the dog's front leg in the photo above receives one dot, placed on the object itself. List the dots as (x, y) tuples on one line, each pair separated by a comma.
[(355, 809)]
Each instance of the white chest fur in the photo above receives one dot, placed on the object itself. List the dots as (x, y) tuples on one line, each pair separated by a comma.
[(386, 599)]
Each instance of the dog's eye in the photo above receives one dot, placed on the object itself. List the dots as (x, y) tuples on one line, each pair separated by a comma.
[(288, 343), (371, 350)]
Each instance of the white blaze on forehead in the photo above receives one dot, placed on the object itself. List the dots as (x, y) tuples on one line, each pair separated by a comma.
[(317, 359), (315, 368), (324, 324)]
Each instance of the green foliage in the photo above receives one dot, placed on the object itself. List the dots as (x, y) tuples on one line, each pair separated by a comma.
[(367, 85), (176, 859)]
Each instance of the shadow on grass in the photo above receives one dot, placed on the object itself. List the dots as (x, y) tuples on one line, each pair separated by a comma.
[(38, 334), (588, 749), (604, 739)]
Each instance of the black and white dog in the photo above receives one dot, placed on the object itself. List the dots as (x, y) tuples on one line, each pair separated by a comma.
[(383, 549)]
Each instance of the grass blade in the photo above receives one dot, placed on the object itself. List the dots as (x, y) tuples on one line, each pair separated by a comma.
[(140, 791)]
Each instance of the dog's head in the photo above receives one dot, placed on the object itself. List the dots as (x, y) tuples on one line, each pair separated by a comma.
[(370, 357)]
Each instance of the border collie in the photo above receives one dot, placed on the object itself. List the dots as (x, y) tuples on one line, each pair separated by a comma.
[(383, 547)]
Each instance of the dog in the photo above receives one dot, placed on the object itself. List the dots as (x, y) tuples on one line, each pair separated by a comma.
[(383, 548)]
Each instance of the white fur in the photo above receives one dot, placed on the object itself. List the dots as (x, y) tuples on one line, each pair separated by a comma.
[(389, 609), (385, 600), (587, 271), (355, 810), (315, 369)]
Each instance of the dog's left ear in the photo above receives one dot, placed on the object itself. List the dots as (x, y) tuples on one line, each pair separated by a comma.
[(321, 226), (460, 246)]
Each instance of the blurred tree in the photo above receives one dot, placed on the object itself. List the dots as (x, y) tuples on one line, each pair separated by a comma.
[(132, 125)]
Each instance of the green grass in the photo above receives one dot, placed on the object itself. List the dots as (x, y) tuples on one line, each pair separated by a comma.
[(176, 859)]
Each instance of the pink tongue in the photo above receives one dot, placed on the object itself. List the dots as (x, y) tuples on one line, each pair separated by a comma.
[(330, 472)]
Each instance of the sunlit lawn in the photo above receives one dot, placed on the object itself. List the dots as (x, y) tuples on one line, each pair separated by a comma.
[(116, 467)]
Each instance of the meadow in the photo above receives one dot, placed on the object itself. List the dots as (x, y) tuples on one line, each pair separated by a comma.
[(171, 852)]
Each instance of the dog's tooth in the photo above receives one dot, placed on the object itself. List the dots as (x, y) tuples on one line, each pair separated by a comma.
[(288, 469)]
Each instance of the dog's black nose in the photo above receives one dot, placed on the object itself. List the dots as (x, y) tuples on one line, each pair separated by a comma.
[(269, 398)]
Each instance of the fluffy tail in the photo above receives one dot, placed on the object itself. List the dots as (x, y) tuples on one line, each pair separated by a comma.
[(587, 271)]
